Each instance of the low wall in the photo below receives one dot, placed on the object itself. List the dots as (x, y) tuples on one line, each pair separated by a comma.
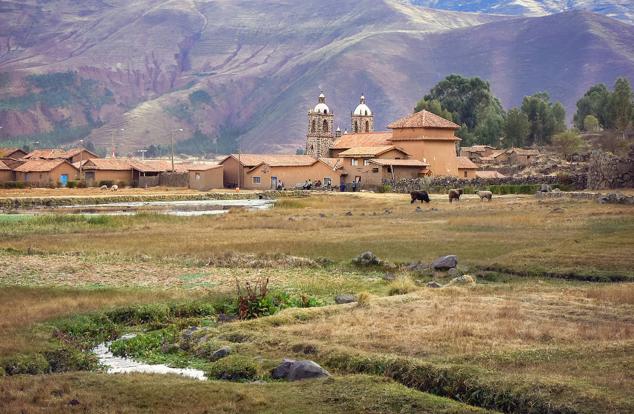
[(174, 179), (606, 170), (442, 184), (609, 198)]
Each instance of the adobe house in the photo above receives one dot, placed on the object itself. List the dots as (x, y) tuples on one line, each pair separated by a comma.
[(429, 138), (72, 155), (357, 166), (39, 173), (371, 139), (97, 170), (147, 173), (466, 168), (524, 157), (205, 177), (395, 169), (292, 172), (476, 152), (15, 153), (6, 173)]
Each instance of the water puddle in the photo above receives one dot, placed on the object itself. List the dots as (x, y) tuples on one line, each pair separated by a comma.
[(121, 365), (188, 208)]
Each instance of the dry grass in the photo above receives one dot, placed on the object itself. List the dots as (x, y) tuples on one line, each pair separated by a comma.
[(91, 192), (23, 308), (516, 232)]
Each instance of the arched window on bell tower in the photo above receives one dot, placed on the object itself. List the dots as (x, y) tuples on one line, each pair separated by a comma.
[(356, 127), (313, 128), (367, 126), (325, 127)]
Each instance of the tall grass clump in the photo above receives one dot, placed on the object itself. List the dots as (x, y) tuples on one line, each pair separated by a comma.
[(402, 286)]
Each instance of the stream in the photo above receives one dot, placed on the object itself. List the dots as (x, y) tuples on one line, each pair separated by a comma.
[(121, 365)]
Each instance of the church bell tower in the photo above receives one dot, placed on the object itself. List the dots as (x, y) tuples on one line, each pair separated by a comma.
[(321, 133)]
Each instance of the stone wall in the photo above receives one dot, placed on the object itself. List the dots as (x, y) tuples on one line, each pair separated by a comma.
[(174, 179), (606, 170), (446, 183)]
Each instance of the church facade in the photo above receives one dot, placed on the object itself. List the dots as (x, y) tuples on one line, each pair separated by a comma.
[(420, 144)]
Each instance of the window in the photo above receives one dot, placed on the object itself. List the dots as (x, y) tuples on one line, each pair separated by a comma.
[(465, 174), (375, 170), (325, 127), (327, 181), (256, 180), (354, 161), (366, 113), (197, 176), (366, 162), (313, 128), (356, 126), (367, 126), (325, 111)]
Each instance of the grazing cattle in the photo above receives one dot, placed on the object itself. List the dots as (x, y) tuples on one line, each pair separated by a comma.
[(455, 195), (484, 194), (104, 187), (114, 187), (419, 195)]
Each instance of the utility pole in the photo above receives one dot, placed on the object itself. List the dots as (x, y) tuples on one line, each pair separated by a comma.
[(143, 151), (172, 144), (81, 156)]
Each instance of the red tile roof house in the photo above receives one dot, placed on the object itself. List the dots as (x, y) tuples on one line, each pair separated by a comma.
[(71, 155), (46, 173)]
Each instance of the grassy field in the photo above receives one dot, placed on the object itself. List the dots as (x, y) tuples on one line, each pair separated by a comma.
[(532, 332)]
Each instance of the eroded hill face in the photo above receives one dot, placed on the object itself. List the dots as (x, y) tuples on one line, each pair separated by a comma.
[(262, 64)]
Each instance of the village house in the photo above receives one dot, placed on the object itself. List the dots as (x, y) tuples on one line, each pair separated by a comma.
[(466, 168), (6, 173), (489, 174), (72, 155), (41, 173), (205, 177), (523, 157), (15, 153), (476, 152), (106, 170)]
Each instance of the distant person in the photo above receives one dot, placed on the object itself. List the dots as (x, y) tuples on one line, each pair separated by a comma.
[(342, 187)]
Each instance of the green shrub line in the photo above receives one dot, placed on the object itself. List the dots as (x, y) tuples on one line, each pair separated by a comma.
[(469, 385), (609, 278)]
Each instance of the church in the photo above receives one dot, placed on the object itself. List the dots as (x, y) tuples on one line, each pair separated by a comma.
[(420, 144)]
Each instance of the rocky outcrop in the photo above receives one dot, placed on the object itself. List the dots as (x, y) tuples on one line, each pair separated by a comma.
[(445, 263), (606, 170), (292, 370)]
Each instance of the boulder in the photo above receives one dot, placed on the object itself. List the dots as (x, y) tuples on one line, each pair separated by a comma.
[(220, 353), (434, 285), (462, 280), (341, 299), (417, 267), (292, 370), (389, 277), (453, 272), (367, 259), (445, 263)]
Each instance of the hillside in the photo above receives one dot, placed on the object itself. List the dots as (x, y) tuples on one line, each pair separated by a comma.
[(618, 9), (259, 66)]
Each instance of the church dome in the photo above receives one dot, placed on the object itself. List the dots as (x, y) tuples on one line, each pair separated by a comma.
[(362, 109), (321, 107)]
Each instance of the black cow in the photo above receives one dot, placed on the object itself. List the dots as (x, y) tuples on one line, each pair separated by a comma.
[(455, 194), (419, 195)]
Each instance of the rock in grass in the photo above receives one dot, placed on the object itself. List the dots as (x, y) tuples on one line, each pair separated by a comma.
[(462, 280), (445, 263), (367, 259), (434, 285), (453, 272), (292, 370), (220, 353), (389, 277), (342, 299)]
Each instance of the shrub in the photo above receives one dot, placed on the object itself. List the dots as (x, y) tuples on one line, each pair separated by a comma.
[(134, 315), (363, 299), (141, 346), (26, 364), (109, 183), (402, 286), (86, 331), (234, 368), (72, 184), (81, 184), (13, 184), (65, 359), (385, 188)]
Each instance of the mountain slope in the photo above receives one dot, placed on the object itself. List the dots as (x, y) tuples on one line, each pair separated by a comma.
[(618, 9), (258, 66)]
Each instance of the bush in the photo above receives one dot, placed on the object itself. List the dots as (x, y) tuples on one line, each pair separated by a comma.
[(72, 184), (13, 184), (141, 346), (135, 315), (108, 183), (234, 368), (402, 286), (385, 188), (86, 331), (26, 364), (64, 360), (81, 184)]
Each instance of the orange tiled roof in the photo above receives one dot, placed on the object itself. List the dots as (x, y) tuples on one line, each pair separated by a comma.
[(423, 119), (399, 163), (334, 163), (489, 174), (465, 163), (40, 165), (4, 167), (200, 167), (155, 166), (12, 162), (55, 153), (8, 152), (368, 139), (522, 151), (274, 160), (369, 151), (107, 164)]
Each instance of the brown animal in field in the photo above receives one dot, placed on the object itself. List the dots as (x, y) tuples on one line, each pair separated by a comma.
[(455, 194), (419, 195), (484, 194)]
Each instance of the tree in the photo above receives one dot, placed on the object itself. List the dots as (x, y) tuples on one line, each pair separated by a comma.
[(621, 105), (516, 129), (568, 143), (545, 118), (595, 102), (590, 123), (471, 104), (299, 151)]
